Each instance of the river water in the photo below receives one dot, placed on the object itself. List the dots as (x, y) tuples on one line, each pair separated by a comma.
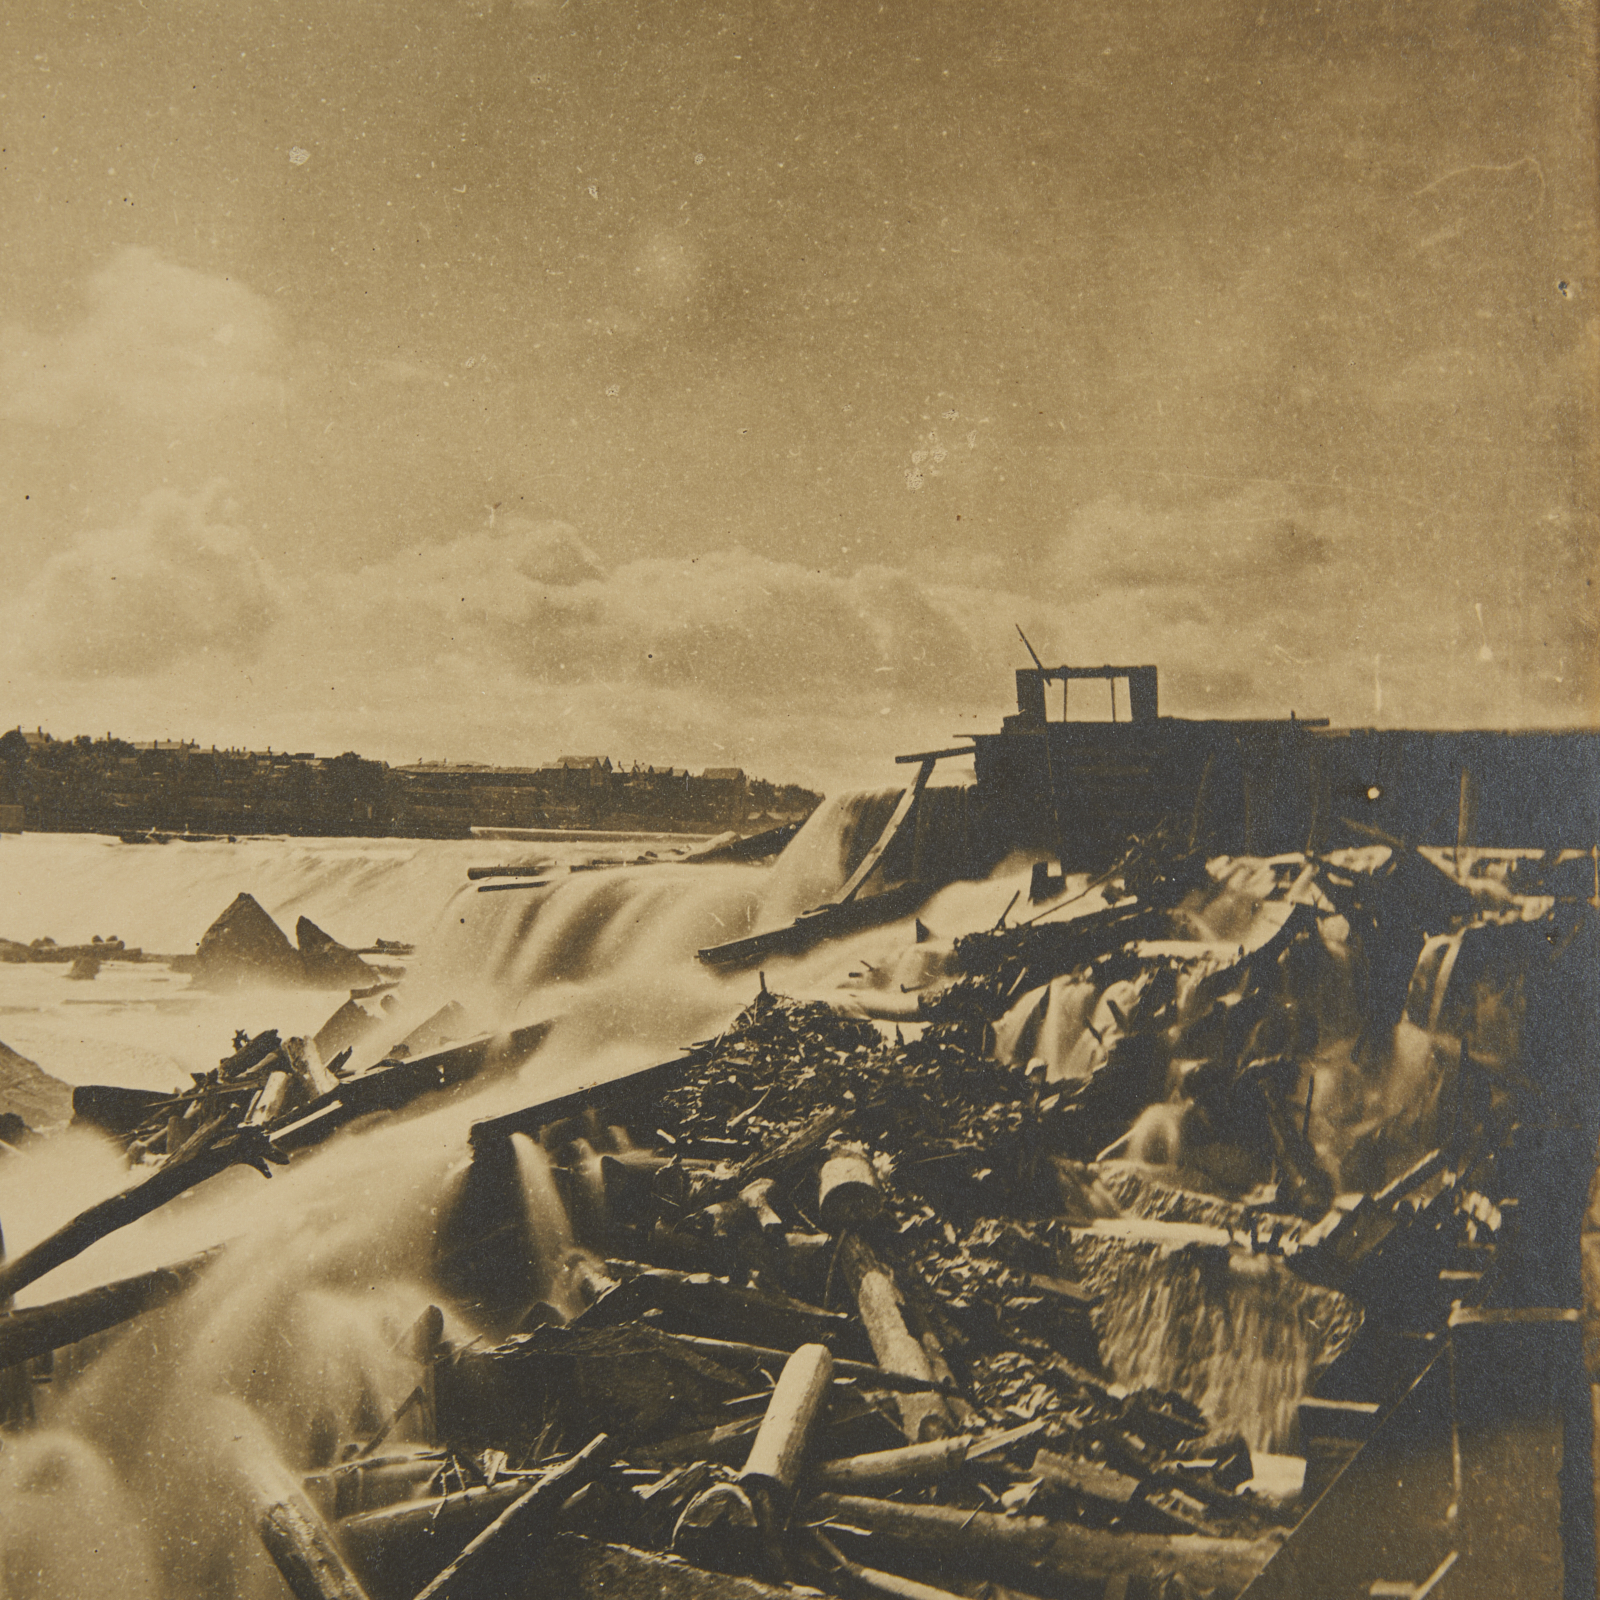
[(298, 1335)]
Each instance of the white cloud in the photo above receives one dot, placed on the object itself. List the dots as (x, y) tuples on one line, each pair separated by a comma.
[(174, 585), (157, 341)]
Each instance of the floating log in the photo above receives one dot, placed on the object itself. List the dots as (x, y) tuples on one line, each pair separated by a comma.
[(485, 1568), (1060, 1551), (922, 1415), (37, 1330)]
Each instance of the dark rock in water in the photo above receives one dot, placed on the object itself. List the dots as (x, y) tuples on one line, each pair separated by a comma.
[(245, 946), (327, 963), (85, 967), (14, 1131), (31, 1093), (347, 1026), (448, 1024), (113, 1108)]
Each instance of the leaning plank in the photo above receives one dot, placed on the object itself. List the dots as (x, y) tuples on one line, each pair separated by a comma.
[(490, 1563), (869, 862), (38, 1330), (1059, 1551)]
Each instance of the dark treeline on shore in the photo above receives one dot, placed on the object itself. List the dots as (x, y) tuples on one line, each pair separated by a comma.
[(110, 785)]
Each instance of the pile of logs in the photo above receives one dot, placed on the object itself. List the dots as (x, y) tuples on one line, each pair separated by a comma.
[(820, 1311)]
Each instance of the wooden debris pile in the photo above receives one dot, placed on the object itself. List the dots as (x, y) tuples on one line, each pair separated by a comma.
[(802, 1368)]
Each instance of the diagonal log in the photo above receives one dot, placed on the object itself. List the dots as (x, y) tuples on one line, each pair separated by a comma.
[(487, 1566), (37, 1330), (246, 1147), (1060, 1552)]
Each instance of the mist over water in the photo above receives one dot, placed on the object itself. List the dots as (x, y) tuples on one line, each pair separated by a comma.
[(144, 1471), (141, 1475)]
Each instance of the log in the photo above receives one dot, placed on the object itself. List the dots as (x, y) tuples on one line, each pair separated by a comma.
[(40, 1329), (485, 1568), (697, 1301), (876, 1582), (798, 1397), (922, 1415), (783, 1155), (848, 1193), (912, 1463), (292, 1533), (397, 1535), (721, 1443), (578, 1568), (1063, 1552), (734, 1353), (272, 1096), (246, 1146), (1091, 1479), (305, 1063)]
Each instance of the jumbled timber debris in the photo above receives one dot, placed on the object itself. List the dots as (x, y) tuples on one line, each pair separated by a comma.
[(1026, 1303)]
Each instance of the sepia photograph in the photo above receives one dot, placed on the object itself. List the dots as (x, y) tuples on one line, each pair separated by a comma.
[(799, 800)]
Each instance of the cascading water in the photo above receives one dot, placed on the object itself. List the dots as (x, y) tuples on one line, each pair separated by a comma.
[(130, 1481), (302, 1329)]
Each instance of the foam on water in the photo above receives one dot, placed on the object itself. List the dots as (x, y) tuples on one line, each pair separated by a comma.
[(129, 1484)]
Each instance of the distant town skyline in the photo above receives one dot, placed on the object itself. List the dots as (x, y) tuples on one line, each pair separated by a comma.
[(725, 384)]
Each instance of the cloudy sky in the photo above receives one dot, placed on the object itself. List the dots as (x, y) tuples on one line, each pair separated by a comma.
[(723, 383)]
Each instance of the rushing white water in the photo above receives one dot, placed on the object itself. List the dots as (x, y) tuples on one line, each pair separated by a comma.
[(130, 1482)]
